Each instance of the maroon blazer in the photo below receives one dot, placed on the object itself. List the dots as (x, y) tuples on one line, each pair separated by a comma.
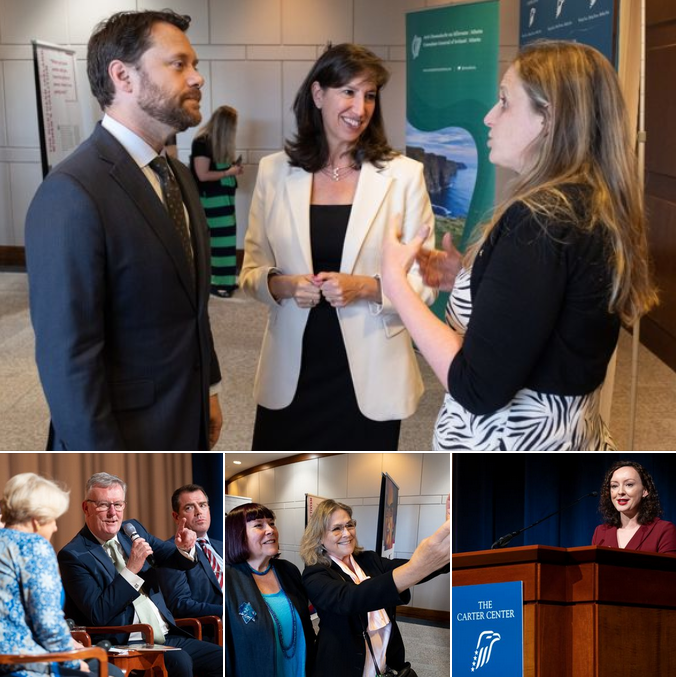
[(656, 536)]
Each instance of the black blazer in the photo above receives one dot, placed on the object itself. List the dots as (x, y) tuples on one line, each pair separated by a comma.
[(343, 607), (123, 341), (96, 594), (341, 604), (250, 647)]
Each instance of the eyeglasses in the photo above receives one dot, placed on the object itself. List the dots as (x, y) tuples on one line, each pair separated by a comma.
[(338, 528), (104, 506)]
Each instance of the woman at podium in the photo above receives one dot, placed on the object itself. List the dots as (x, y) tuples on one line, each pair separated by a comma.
[(631, 508)]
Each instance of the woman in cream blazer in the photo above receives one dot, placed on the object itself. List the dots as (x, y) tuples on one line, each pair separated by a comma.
[(382, 365)]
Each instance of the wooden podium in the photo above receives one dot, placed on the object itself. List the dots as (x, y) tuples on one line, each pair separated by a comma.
[(588, 612)]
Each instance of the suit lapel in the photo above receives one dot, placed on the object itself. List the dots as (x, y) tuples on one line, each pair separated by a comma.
[(369, 196), (132, 180), (96, 550), (298, 192)]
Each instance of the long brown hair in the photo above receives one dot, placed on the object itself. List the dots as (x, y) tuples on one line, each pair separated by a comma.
[(586, 141), (220, 131), (335, 68)]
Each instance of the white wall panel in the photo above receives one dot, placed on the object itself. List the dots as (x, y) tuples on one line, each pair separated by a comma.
[(431, 518), (436, 474), (406, 471), (239, 23), (293, 481), (3, 119), (20, 104), (367, 524), (84, 16), (316, 22), (6, 228), (393, 99), (294, 72), (267, 487), (364, 474), (254, 89), (197, 10), (33, 20), (406, 539), (434, 594), (332, 476), (24, 181), (382, 22)]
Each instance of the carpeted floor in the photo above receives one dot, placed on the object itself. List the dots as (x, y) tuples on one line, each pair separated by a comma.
[(238, 326)]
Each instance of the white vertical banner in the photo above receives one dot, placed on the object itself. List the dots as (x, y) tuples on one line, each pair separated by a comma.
[(59, 113)]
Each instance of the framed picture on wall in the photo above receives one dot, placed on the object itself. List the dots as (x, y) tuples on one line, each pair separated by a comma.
[(387, 517)]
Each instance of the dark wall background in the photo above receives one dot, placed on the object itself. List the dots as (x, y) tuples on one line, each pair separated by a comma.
[(207, 471), (495, 494)]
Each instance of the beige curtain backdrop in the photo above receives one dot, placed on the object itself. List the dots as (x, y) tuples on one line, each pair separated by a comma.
[(150, 478)]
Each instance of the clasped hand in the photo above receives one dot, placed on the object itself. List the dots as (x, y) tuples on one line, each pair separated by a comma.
[(339, 289)]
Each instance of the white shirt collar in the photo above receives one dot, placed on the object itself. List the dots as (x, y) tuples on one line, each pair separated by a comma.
[(141, 152)]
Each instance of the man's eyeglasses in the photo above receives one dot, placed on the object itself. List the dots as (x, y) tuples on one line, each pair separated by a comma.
[(338, 529), (104, 506)]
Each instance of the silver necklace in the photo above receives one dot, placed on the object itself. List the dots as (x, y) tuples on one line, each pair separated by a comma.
[(337, 173)]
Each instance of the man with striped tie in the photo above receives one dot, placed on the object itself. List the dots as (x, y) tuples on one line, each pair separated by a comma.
[(199, 591)]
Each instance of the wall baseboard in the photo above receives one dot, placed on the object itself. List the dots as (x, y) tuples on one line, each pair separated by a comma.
[(13, 256), (432, 615)]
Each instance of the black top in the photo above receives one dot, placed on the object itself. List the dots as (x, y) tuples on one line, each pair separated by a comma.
[(540, 317)]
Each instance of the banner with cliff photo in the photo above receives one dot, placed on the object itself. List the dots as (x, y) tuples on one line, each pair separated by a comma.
[(591, 22), (452, 83)]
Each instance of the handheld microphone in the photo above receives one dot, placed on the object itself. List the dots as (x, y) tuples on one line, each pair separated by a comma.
[(130, 530), (104, 644), (503, 540)]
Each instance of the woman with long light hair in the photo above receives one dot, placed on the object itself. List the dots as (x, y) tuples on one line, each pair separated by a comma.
[(216, 169), (562, 263)]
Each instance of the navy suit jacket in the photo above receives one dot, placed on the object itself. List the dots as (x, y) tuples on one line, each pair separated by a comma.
[(195, 592), (123, 340), (96, 594)]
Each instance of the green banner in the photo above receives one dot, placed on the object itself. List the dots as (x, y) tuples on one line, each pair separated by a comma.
[(452, 83)]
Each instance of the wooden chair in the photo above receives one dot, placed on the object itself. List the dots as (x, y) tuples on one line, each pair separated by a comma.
[(84, 636), (150, 662), (59, 657), (195, 625)]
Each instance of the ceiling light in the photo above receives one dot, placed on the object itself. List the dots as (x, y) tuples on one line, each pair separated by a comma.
[(237, 462)]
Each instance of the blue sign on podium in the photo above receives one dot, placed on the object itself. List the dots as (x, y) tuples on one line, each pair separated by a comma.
[(488, 630)]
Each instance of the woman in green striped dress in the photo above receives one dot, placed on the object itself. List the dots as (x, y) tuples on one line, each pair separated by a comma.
[(215, 169)]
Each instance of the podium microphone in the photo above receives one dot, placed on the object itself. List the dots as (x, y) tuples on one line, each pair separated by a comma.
[(130, 530), (503, 540)]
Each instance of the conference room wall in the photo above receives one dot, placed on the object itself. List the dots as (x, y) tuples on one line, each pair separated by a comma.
[(354, 479), (254, 54), (496, 494), (150, 478)]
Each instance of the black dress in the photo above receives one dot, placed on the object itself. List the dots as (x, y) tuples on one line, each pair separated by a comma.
[(324, 414)]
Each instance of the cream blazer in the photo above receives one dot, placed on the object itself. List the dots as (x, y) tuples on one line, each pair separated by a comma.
[(383, 366)]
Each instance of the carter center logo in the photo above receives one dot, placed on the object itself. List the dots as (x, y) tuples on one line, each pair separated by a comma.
[(484, 647)]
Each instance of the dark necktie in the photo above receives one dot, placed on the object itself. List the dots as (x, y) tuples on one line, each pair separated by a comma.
[(206, 547), (174, 203)]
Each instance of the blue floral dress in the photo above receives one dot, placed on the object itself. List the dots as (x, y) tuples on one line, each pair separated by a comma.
[(31, 597)]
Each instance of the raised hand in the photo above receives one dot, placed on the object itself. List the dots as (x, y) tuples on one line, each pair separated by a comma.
[(185, 538), (439, 268), (398, 257)]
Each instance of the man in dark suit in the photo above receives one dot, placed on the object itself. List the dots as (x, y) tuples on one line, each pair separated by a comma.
[(197, 591), (118, 267), (109, 581)]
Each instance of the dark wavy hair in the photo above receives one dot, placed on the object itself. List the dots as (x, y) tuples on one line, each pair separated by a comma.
[(648, 509), (124, 36), (336, 67), (236, 545)]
